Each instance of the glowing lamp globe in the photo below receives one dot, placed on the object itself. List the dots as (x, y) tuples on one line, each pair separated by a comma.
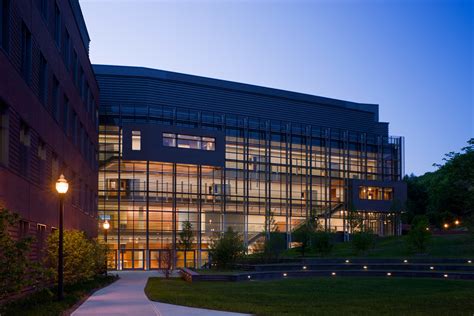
[(106, 225), (61, 185)]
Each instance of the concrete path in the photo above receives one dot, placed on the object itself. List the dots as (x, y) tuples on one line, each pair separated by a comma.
[(126, 297)]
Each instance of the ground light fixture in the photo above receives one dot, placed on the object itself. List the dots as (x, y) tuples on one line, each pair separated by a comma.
[(405, 261), (365, 267), (333, 273), (431, 268), (469, 261), (61, 187), (304, 267), (249, 277), (285, 274), (347, 261), (389, 273), (445, 275)]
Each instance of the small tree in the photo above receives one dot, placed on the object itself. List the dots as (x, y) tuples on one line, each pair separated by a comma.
[(419, 234), (186, 238), (17, 271), (166, 261), (322, 243), (226, 248), (81, 256), (274, 245), (304, 233), (363, 241)]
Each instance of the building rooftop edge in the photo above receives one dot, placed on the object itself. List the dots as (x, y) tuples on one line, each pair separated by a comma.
[(232, 85)]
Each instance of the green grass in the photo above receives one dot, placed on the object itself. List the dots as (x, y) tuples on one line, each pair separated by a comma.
[(44, 302), (321, 296), (446, 246)]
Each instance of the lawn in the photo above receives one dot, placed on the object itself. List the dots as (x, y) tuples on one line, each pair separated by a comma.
[(446, 246), (44, 302), (322, 296)]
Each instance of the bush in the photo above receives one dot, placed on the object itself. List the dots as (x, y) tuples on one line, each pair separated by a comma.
[(83, 258), (419, 236), (225, 249), (363, 241), (322, 243), (17, 271), (274, 245), (303, 236)]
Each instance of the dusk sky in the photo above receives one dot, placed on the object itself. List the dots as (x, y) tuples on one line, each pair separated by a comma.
[(413, 58)]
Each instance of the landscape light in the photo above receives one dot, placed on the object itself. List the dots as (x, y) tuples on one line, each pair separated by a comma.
[(431, 268), (248, 277), (304, 267), (445, 275), (284, 274), (347, 261), (334, 273), (365, 267), (405, 261), (389, 273), (469, 261)]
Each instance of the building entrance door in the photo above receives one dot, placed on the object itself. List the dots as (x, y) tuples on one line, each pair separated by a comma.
[(133, 259)]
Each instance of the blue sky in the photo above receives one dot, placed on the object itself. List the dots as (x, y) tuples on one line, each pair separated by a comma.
[(413, 58)]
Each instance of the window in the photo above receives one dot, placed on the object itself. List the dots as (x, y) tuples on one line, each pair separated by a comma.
[(43, 7), (57, 25), (74, 67), (375, 193), (54, 167), (74, 127), (41, 150), (25, 141), (66, 115), (136, 140), (67, 49), (169, 140), (4, 23), (24, 227), (43, 80), (3, 134), (55, 101), (26, 53), (189, 141)]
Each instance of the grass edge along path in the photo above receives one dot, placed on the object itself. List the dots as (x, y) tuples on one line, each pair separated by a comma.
[(321, 296), (44, 302)]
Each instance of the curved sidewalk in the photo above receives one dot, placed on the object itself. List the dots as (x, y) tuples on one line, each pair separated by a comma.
[(127, 297)]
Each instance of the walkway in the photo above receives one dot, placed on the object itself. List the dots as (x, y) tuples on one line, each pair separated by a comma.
[(126, 297)]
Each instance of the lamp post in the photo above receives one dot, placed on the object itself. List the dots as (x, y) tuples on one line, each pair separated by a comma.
[(62, 187), (106, 227)]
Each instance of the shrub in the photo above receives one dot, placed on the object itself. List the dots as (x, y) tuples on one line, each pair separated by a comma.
[(83, 258), (303, 236), (363, 241), (419, 236), (17, 271), (274, 245), (226, 248), (322, 243)]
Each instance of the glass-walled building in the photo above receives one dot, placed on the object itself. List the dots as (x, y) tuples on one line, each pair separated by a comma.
[(176, 148)]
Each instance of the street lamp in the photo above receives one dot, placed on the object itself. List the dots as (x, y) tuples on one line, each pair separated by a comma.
[(61, 186), (106, 226)]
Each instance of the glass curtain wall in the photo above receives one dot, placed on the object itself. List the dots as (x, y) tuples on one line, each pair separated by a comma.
[(277, 169)]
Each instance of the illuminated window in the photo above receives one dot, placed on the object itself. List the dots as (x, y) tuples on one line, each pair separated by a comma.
[(189, 141), (136, 140), (169, 140), (375, 193)]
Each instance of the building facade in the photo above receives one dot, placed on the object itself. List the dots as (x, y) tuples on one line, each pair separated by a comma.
[(48, 116), (175, 148)]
